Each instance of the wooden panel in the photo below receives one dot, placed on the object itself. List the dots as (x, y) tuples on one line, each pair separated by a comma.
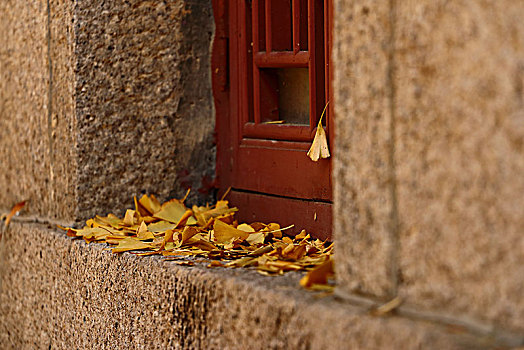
[(258, 16), (317, 99), (279, 132), (284, 211), (281, 31), (280, 171), (282, 59)]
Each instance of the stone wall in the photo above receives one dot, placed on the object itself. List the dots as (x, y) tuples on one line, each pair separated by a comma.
[(108, 99), (429, 155)]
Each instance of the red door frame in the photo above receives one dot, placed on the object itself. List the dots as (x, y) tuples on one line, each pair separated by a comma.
[(284, 189)]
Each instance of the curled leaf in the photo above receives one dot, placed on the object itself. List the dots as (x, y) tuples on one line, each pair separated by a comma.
[(319, 275), (319, 148), (150, 203), (15, 210), (129, 218), (173, 211)]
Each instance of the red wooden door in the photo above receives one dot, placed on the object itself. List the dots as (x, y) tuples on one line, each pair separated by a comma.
[(271, 83)]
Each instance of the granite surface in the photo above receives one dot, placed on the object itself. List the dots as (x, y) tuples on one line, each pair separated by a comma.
[(62, 293)]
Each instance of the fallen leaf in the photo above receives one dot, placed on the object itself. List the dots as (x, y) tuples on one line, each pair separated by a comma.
[(210, 233), (161, 226), (301, 235), (245, 228), (14, 211), (168, 237), (150, 203), (130, 243), (173, 211), (242, 262), (294, 252), (225, 233), (319, 275), (261, 251), (110, 220), (215, 263), (187, 234), (204, 245), (256, 238), (143, 234), (184, 220), (129, 218)]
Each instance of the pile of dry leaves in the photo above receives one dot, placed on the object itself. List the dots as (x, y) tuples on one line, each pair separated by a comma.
[(211, 234)]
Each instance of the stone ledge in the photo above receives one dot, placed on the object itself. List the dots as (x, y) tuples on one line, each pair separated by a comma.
[(60, 293)]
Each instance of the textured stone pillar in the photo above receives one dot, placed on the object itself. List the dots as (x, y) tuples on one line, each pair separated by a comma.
[(429, 156), (103, 100), (459, 115)]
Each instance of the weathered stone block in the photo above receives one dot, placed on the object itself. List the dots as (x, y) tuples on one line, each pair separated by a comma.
[(143, 99), (460, 160), (119, 98), (362, 171), (64, 294)]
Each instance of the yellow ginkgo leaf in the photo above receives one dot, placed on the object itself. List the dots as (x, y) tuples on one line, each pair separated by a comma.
[(143, 234), (129, 219), (161, 226), (226, 233), (150, 203), (187, 234), (173, 211), (130, 243), (245, 228), (319, 148), (111, 220), (256, 238)]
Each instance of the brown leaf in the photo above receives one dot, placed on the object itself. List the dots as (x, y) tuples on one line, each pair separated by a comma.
[(140, 209), (319, 275), (184, 220), (256, 238), (215, 263), (294, 252), (167, 238), (143, 234)]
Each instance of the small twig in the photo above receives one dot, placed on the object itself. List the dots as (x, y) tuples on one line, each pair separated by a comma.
[(225, 193), (387, 307), (187, 194)]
